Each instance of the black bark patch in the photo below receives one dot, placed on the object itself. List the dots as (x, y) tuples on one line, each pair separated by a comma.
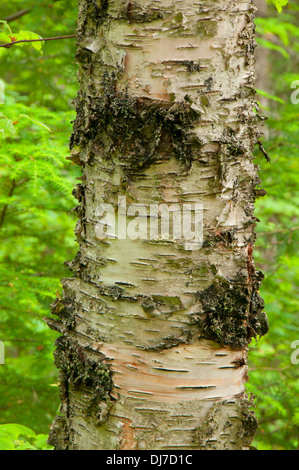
[(92, 378), (134, 130), (139, 14), (224, 238), (59, 434), (96, 10), (208, 83), (232, 314), (81, 371), (167, 343), (258, 320), (224, 316), (192, 66), (64, 310)]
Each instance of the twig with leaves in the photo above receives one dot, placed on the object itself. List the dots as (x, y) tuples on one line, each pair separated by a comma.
[(12, 43)]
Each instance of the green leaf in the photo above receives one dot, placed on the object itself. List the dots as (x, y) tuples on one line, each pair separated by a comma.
[(29, 35), (25, 446), (36, 122), (274, 47), (6, 25), (269, 96), (6, 126), (6, 442), (4, 38), (280, 4), (16, 430), (41, 442)]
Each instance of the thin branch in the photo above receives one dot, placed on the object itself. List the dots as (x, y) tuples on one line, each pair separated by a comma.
[(8, 45), (264, 151), (4, 210), (10, 340), (17, 15), (275, 369), (282, 230)]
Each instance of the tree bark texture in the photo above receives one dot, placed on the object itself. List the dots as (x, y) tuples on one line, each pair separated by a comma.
[(155, 335)]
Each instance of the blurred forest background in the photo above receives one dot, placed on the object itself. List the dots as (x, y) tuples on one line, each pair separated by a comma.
[(36, 223)]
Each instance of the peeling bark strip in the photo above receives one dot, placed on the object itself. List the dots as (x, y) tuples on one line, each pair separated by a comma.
[(154, 346)]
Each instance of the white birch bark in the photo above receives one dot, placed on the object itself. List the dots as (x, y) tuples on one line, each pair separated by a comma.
[(154, 335)]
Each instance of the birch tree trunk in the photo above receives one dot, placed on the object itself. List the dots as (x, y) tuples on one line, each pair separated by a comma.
[(154, 334)]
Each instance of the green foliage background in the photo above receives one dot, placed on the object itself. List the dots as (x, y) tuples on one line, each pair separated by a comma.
[(36, 227), (36, 183), (273, 377)]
